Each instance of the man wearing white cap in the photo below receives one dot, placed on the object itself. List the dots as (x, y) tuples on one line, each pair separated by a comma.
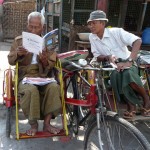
[(110, 44)]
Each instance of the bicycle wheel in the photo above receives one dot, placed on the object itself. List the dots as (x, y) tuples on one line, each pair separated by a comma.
[(8, 120), (116, 134)]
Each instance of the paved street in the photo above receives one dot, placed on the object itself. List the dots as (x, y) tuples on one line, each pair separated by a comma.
[(45, 143), (33, 144)]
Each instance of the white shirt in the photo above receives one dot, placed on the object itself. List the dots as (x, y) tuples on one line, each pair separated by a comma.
[(34, 60), (114, 42)]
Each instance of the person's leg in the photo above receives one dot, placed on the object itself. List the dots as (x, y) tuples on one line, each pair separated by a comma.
[(51, 104), (48, 127), (30, 104), (142, 92), (34, 128), (145, 111)]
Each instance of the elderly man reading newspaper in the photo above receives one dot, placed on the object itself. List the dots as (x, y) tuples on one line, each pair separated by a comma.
[(37, 101)]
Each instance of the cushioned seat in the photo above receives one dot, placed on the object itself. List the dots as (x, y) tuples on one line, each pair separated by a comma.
[(72, 56)]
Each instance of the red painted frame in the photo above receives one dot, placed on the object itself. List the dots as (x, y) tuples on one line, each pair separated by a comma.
[(91, 98)]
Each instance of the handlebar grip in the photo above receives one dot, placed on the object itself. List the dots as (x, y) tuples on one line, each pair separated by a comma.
[(89, 68)]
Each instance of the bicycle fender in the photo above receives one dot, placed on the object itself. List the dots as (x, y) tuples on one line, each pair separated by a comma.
[(111, 113)]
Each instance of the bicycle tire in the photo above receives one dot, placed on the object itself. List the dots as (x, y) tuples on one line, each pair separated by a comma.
[(122, 136), (8, 122)]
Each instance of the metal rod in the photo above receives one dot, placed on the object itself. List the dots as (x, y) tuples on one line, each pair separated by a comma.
[(60, 26), (143, 15)]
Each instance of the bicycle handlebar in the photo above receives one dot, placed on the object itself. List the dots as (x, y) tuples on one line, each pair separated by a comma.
[(89, 68)]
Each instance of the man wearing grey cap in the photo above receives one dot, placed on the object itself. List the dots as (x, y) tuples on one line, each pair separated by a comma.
[(110, 44)]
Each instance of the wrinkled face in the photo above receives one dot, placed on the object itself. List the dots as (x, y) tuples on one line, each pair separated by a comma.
[(34, 26), (96, 26)]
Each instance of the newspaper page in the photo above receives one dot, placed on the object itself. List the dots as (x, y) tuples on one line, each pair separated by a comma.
[(35, 44), (32, 42), (38, 81)]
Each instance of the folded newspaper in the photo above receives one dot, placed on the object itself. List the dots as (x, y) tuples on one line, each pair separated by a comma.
[(38, 81)]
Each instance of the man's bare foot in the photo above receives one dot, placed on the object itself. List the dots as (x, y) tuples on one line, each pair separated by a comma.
[(32, 131), (51, 129)]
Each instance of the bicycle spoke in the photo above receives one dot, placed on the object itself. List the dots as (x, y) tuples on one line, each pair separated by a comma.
[(115, 135)]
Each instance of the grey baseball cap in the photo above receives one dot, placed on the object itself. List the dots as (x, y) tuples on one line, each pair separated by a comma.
[(97, 15)]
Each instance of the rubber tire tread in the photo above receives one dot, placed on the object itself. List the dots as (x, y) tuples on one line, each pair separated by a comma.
[(124, 122)]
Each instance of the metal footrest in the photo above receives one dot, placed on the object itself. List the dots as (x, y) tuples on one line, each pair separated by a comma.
[(41, 134)]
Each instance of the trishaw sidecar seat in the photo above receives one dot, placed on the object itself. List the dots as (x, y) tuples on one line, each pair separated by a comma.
[(72, 56)]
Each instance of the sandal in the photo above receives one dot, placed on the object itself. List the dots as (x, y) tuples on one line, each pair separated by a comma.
[(145, 112), (129, 115)]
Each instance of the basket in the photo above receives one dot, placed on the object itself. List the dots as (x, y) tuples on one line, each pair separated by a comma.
[(15, 17)]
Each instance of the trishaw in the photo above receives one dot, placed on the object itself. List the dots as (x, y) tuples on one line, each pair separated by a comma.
[(84, 103)]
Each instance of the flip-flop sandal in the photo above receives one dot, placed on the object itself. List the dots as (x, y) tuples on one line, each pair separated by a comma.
[(145, 112), (129, 115)]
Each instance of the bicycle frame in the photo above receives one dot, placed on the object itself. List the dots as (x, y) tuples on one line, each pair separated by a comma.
[(94, 102), (91, 100)]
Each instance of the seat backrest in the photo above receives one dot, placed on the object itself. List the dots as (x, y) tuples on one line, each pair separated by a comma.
[(73, 56)]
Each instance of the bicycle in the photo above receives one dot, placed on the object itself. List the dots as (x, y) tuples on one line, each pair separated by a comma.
[(106, 130)]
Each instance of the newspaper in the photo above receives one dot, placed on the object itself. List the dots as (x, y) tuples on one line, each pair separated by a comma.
[(32, 42), (38, 81), (35, 43)]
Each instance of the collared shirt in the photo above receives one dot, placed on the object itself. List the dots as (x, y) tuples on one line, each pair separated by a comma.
[(114, 42)]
